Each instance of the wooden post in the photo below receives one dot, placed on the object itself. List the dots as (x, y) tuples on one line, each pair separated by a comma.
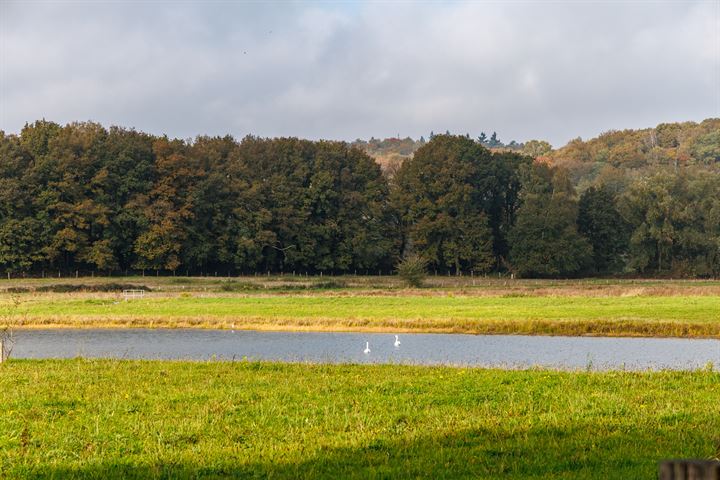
[(2, 350), (689, 470)]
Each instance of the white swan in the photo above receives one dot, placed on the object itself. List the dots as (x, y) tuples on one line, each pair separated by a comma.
[(397, 341), (367, 348)]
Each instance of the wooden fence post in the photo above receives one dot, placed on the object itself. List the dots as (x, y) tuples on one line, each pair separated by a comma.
[(689, 470)]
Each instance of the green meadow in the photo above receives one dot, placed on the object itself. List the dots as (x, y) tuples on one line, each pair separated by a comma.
[(139, 419), (432, 311)]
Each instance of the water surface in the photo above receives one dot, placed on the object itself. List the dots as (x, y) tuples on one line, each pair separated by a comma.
[(509, 351)]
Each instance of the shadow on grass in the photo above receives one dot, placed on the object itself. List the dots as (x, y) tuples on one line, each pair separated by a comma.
[(468, 454)]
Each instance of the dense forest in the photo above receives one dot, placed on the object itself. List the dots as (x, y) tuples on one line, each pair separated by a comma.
[(81, 197)]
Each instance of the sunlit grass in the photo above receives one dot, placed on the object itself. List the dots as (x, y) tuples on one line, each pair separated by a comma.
[(140, 419), (608, 315)]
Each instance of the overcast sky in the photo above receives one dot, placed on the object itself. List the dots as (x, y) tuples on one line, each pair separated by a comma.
[(549, 70)]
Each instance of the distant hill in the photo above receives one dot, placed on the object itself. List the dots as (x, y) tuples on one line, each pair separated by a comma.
[(616, 154), (391, 152), (612, 156)]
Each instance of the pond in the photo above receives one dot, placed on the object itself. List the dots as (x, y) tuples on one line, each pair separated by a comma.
[(505, 351)]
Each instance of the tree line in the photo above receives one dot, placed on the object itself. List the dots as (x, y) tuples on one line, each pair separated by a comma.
[(83, 197)]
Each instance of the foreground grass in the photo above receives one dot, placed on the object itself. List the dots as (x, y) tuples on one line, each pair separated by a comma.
[(572, 315), (142, 419)]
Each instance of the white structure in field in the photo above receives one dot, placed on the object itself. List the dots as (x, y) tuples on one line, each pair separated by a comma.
[(129, 294)]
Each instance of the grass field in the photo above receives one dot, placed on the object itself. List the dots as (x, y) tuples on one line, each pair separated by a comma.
[(153, 419), (142, 419), (564, 308)]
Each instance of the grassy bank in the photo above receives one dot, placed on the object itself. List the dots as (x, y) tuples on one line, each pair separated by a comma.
[(141, 419), (290, 283), (651, 315)]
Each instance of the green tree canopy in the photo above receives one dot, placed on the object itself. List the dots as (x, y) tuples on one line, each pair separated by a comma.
[(601, 223), (456, 200), (545, 241)]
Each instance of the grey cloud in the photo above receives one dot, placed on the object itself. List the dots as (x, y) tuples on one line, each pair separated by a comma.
[(552, 70)]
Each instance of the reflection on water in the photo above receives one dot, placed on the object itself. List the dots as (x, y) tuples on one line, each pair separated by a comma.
[(512, 351)]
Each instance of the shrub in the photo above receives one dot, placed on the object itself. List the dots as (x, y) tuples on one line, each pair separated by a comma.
[(328, 284), (412, 269), (233, 286), (101, 287), (17, 290), (321, 285)]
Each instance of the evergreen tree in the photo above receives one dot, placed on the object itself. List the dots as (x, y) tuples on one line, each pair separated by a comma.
[(494, 142)]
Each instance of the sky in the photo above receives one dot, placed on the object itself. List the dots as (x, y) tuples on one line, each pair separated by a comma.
[(551, 70)]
